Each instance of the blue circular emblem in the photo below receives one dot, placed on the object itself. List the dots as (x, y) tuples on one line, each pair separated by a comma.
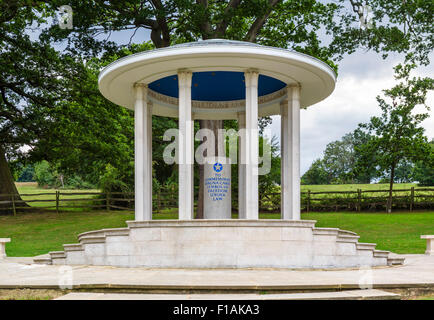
[(218, 167)]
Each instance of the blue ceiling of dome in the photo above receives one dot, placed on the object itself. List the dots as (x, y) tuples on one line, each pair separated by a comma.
[(216, 86)]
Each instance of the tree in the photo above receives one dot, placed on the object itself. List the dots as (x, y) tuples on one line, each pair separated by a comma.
[(33, 76), (403, 172), (26, 174), (338, 162), (268, 182), (317, 174), (423, 171), (339, 157), (94, 138), (397, 134)]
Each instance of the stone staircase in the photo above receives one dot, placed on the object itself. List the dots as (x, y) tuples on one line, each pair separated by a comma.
[(321, 247)]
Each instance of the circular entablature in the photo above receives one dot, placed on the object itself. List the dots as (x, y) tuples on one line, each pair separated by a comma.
[(218, 89)]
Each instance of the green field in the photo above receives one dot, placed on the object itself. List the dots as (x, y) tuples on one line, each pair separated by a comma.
[(25, 188), (39, 193), (31, 187), (354, 187)]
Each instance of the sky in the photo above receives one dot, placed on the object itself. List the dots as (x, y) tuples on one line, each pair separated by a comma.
[(362, 76)]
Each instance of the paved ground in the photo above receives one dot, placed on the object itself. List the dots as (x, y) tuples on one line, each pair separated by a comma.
[(418, 271), (341, 295)]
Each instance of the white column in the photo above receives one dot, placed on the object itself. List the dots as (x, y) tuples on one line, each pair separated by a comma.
[(149, 153), (252, 145), (186, 147), (290, 123), (284, 196), (241, 166), (142, 149)]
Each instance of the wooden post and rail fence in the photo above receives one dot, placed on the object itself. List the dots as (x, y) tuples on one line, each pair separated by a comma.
[(357, 200)]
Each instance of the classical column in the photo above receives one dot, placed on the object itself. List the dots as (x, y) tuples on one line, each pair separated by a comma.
[(142, 154), (149, 153), (251, 145), (290, 122), (186, 147), (241, 166), (284, 196)]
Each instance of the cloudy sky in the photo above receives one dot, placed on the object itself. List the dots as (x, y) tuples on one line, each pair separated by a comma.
[(361, 78)]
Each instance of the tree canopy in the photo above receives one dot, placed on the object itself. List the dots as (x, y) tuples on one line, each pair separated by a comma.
[(397, 133)]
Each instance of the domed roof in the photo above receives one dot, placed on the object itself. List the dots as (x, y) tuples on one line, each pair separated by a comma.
[(218, 67)]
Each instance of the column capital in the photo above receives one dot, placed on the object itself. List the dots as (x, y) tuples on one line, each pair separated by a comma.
[(251, 77), (140, 85), (251, 70), (141, 91), (293, 85), (293, 91), (184, 77)]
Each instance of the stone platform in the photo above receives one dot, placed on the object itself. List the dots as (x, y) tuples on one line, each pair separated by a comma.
[(372, 294), (221, 244)]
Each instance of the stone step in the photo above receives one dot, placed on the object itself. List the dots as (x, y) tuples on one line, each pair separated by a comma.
[(331, 247), (57, 254), (366, 246), (395, 261), (369, 294), (105, 233), (381, 254), (92, 239), (346, 232), (347, 238), (325, 231), (42, 259), (73, 247)]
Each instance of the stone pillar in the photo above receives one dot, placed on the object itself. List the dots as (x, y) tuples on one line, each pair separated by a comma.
[(284, 196), (149, 153), (241, 166), (142, 154), (186, 147), (290, 122), (217, 188), (251, 145)]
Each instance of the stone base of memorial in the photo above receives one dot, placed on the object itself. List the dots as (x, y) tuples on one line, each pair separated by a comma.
[(219, 80), (221, 244)]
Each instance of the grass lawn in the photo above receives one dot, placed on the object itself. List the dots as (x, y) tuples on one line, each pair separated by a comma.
[(398, 232), (30, 294), (427, 297), (33, 234)]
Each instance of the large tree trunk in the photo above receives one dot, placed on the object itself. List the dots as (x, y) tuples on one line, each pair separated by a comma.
[(213, 125), (7, 185), (389, 199)]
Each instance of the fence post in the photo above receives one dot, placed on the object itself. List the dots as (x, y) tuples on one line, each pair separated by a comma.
[(57, 201), (107, 201), (13, 204), (308, 202), (359, 200), (412, 199), (158, 201)]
